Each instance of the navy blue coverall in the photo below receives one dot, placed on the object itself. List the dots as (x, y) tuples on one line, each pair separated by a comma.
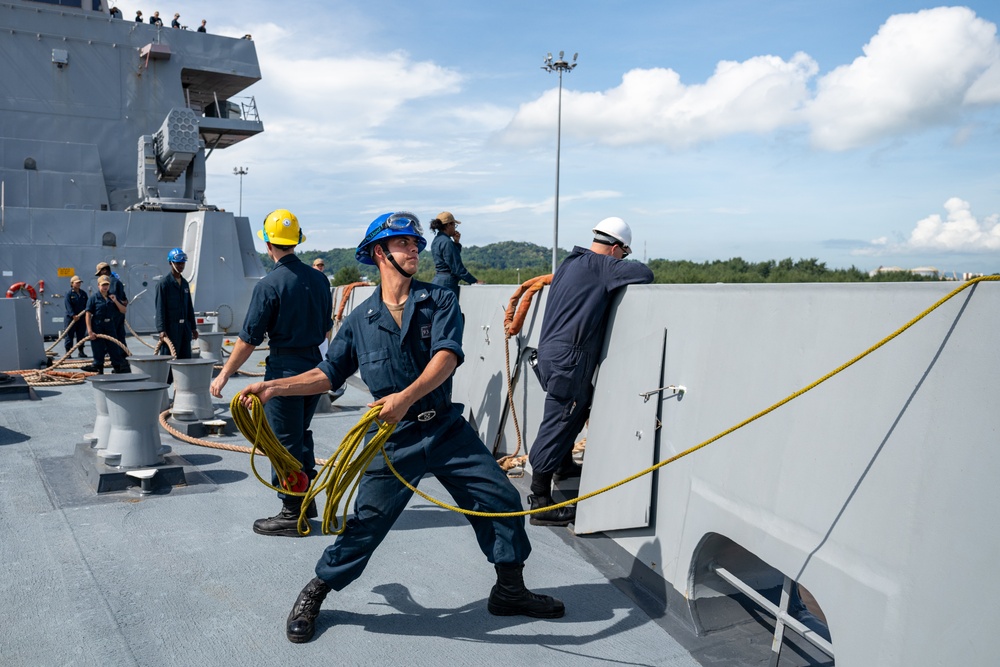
[(76, 302), (105, 318), (118, 289), (576, 313), (448, 263), (292, 304), (175, 314), (432, 438)]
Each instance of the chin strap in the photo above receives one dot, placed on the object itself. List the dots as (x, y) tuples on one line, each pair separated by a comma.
[(392, 260)]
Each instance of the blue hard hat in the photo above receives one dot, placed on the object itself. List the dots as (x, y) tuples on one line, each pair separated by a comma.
[(385, 227), (177, 256)]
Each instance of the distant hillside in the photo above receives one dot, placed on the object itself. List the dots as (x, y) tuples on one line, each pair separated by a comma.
[(512, 262)]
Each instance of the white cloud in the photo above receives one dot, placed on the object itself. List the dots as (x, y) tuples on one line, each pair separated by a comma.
[(960, 232), (918, 71), (652, 105)]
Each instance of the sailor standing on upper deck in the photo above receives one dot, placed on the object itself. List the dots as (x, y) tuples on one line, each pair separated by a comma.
[(576, 313), (446, 249), (174, 309), (292, 305)]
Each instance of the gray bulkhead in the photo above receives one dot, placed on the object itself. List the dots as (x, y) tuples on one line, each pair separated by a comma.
[(875, 490)]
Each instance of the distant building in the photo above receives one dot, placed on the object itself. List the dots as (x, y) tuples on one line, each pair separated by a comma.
[(925, 271)]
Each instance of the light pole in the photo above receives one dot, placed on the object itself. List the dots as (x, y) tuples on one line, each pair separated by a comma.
[(558, 66), (241, 172)]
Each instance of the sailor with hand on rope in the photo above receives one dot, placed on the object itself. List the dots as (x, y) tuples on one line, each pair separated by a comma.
[(76, 305), (104, 311), (292, 305), (406, 341)]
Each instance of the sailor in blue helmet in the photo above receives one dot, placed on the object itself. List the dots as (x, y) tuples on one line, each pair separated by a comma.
[(174, 309), (406, 341), (291, 305)]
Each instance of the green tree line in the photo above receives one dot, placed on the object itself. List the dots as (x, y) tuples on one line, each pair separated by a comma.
[(513, 262)]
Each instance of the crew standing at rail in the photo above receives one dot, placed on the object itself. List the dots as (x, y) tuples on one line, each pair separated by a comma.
[(446, 249), (576, 313), (406, 341), (103, 312), (174, 308), (76, 307), (292, 306)]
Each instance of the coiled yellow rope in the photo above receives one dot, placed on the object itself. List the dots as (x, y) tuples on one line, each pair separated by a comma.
[(353, 438), (339, 476)]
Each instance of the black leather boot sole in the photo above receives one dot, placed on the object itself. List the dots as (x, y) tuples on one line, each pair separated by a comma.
[(301, 623)]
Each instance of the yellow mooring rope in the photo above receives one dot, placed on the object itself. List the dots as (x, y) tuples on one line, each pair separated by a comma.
[(354, 438), (339, 476)]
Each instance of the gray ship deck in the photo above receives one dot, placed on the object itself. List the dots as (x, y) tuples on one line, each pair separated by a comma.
[(174, 578)]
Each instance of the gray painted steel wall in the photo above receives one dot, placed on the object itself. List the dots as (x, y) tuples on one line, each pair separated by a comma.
[(876, 489)]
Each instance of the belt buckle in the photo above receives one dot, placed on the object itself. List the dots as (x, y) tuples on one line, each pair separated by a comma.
[(426, 416)]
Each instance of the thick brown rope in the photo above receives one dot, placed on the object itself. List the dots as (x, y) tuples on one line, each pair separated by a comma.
[(514, 320), (343, 298)]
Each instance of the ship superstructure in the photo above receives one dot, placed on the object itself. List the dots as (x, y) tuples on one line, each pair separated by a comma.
[(105, 128)]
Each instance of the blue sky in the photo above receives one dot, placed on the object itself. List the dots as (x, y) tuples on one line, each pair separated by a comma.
[(859, 133)]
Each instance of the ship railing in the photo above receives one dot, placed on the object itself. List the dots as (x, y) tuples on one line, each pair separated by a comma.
[(783, 620), (243, 107)]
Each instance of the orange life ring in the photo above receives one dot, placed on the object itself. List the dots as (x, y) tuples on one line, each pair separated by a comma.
[(17, 287)]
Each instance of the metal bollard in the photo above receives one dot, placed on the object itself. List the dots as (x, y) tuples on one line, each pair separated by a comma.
[(102, 424), (134, 438), (157, 367), (210, 344), (192, 379)]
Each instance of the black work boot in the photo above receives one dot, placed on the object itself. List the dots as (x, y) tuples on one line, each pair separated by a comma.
[(301, 623), (569, 470), (286, 522), (509, 597), (562, 516), (311, 512)]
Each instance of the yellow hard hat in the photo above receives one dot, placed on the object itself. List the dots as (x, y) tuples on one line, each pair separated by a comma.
[(281, 227)]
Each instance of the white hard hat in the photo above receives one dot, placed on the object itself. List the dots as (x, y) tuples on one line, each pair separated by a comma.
[(616, 228)]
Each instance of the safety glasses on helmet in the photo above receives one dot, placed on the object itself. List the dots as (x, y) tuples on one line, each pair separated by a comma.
[(398, 222)]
